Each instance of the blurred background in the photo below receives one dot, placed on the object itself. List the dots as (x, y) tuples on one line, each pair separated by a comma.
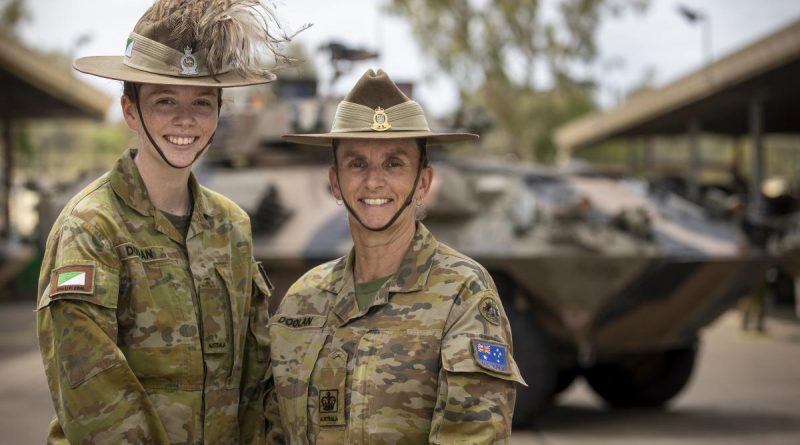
[(634, 192)]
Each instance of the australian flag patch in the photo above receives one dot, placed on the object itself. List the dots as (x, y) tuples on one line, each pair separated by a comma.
[(490, 355)]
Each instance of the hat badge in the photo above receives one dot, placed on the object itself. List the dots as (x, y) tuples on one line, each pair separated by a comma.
[(380, 121), (188, 62)]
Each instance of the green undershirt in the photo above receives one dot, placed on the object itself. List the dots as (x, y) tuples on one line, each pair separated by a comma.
[(181, 223), (365, 292)]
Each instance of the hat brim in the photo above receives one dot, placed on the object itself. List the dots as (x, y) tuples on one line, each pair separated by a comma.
[(112, 67), (326, 139)]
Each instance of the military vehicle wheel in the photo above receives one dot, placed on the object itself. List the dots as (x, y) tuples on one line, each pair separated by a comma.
[(564, 379), (535, 360), (643, 380)]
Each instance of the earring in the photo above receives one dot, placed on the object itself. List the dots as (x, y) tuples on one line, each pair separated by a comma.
[(339, 202), (418, 203)]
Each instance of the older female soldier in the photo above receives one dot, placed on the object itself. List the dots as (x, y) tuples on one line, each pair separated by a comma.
[(403, 341), (152, 312)]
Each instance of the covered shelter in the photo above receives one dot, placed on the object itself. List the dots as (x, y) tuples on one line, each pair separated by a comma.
[(32, 86), (750, 92)]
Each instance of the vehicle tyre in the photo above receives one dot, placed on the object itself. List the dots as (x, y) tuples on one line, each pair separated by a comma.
[(535, 360), (564, 379), (643, 380)]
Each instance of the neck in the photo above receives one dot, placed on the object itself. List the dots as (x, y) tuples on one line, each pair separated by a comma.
[(378, 254), (167, 187)]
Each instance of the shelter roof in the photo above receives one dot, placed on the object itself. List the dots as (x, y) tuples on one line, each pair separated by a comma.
[(716, 96), (34, 86)]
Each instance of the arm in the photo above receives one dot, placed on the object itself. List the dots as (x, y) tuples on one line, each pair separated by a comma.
[(96, 395), (256, 375), (475, 400), (274, 428)]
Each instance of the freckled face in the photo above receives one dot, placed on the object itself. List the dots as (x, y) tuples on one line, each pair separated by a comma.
[(181, 120), (376, 175)]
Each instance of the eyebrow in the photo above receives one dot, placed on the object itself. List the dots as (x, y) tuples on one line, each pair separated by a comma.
[(397, 151)]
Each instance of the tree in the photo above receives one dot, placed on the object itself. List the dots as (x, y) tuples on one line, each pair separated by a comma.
[(496, 50), (12, 13)]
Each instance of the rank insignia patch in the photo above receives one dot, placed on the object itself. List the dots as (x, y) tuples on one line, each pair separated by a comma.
[(72, 279), (491, 356), (489, 310), (328, 401)]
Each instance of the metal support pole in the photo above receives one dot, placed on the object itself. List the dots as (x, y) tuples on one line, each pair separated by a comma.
[(633, 156), (695, 160), (649, 157), (8, 169), (756, 111)]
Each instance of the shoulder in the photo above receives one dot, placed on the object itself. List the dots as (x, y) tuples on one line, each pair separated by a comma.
[(450, 263), (224, 205), (308, 293), (92, 208), (313, 280)]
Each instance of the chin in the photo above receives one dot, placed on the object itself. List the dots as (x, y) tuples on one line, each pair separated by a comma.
[(184, 159)]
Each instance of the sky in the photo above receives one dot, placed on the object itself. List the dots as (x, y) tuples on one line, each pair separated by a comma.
[(660, 41)]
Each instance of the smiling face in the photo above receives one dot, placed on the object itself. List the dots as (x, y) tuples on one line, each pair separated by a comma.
[(181, 119), (375, 176)]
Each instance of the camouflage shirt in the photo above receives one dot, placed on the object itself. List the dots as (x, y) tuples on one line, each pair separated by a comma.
[(427, 361), (147, 337)]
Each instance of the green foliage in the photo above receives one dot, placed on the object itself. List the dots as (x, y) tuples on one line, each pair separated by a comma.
[(494, 51), (12, 13), (62, 150)]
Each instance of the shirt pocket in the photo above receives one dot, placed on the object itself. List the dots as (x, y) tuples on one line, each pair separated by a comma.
[(158, 327), (295, 344), (401, 379)]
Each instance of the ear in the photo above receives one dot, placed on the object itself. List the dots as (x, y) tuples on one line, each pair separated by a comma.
[(129, 112), (425, 181), (337, 192)]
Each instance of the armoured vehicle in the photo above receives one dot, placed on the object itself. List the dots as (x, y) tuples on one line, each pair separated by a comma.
[(603, 277), (608, 278)]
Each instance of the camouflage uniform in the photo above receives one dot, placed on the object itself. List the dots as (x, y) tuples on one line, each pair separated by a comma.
[(403, 369), (142, 343)]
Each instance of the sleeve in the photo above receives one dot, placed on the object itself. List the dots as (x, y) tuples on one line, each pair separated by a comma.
[(274, 428), (256, 376), (477, 381), (97, 397)]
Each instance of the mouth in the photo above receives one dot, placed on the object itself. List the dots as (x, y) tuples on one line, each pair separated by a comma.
[(181, 140), (375, 201)]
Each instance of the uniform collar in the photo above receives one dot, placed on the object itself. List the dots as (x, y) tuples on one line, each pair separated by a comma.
[(412, 275), (127, 183)]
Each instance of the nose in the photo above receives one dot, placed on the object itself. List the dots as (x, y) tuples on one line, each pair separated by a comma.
[(184, 116), (374, 177)]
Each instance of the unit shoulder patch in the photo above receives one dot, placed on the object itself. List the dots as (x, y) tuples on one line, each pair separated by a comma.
[(77, 279), (490, 355), (489, 309)]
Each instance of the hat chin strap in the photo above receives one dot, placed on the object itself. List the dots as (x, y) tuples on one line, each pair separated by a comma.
[(157, 147), (406, 203)]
